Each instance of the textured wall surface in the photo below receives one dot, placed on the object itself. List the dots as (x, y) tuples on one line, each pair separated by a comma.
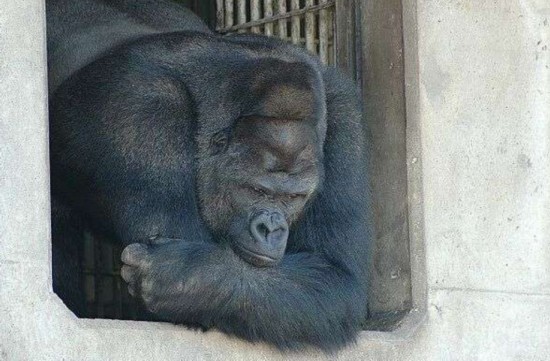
[(479, 97)]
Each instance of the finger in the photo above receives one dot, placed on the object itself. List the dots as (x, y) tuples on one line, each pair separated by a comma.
[(154, 241), (132, 290), (129, 274), (134, 254)]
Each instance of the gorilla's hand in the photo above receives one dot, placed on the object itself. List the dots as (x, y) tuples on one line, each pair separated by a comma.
[(136, 263), (169, 276)]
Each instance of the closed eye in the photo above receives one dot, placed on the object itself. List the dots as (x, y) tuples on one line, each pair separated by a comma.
[(296, 196), (266, 193), (258, 190)]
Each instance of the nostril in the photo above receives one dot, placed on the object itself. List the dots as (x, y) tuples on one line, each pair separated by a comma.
[(259, 229), (263, 230)]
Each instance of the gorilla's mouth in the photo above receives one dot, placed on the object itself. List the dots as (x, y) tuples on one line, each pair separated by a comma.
[(255, 258)]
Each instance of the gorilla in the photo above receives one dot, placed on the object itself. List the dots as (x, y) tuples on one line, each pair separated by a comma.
[(232, 169)]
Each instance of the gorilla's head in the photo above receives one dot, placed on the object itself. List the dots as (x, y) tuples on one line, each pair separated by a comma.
[(261, 171)]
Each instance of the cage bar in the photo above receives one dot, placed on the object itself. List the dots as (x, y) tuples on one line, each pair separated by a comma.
[(229, 13), (330, 30), (282, 24), (117, 285), (310, 29), (295, 23), (241, 13), (98, 279), (220, 21), (255, 14), (268, 12), (323, 33)]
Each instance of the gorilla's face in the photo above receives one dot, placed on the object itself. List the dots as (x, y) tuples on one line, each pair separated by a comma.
[(256, 182)]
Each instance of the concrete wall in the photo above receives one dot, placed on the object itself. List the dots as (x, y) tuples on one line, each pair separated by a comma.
[(478, 103)]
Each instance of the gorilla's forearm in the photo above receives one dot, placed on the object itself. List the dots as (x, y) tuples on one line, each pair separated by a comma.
[(304, 301)]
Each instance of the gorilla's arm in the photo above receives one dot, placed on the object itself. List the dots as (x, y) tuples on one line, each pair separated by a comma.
[(306, 300), (316, 296)]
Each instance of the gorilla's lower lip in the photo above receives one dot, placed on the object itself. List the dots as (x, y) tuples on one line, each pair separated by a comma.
[(253, 257)]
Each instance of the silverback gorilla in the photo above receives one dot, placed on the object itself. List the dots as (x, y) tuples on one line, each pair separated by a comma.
[(231, 168)]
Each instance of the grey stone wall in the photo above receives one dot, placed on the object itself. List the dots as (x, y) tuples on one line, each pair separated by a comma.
[(478, 105)]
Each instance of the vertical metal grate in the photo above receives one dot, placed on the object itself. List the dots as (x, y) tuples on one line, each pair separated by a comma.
[(104, 290), (307, 23)]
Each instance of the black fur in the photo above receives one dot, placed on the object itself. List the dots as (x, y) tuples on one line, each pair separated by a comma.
[(136, 131)]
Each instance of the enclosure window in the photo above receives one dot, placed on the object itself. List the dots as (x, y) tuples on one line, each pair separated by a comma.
[(364, 39)]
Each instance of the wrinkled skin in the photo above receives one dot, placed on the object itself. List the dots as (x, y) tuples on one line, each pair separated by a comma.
[(232, 169)]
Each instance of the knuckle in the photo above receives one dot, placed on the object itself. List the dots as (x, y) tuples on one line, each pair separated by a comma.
[(127, 273), (133, 253), (147, 286), (150, 301)]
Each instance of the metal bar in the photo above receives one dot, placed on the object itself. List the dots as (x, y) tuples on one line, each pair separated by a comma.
[(268, 13), (88, 282), (220, 22), (98, 280), (254, 16), (310, 28), (330, 30), (290, 14), (295, 22), (323, 34), (229, 13), (282, 24), (241, 15), (196, 8), (117, 284)]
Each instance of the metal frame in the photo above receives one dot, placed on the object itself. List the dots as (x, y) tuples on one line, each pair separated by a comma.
[(307, 23)]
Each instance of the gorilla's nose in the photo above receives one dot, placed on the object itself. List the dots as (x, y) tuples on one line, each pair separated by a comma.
[(270, 231)]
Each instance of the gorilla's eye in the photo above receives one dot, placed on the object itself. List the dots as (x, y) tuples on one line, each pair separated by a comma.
[(219, 141), (260, 191), (295, 196)]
